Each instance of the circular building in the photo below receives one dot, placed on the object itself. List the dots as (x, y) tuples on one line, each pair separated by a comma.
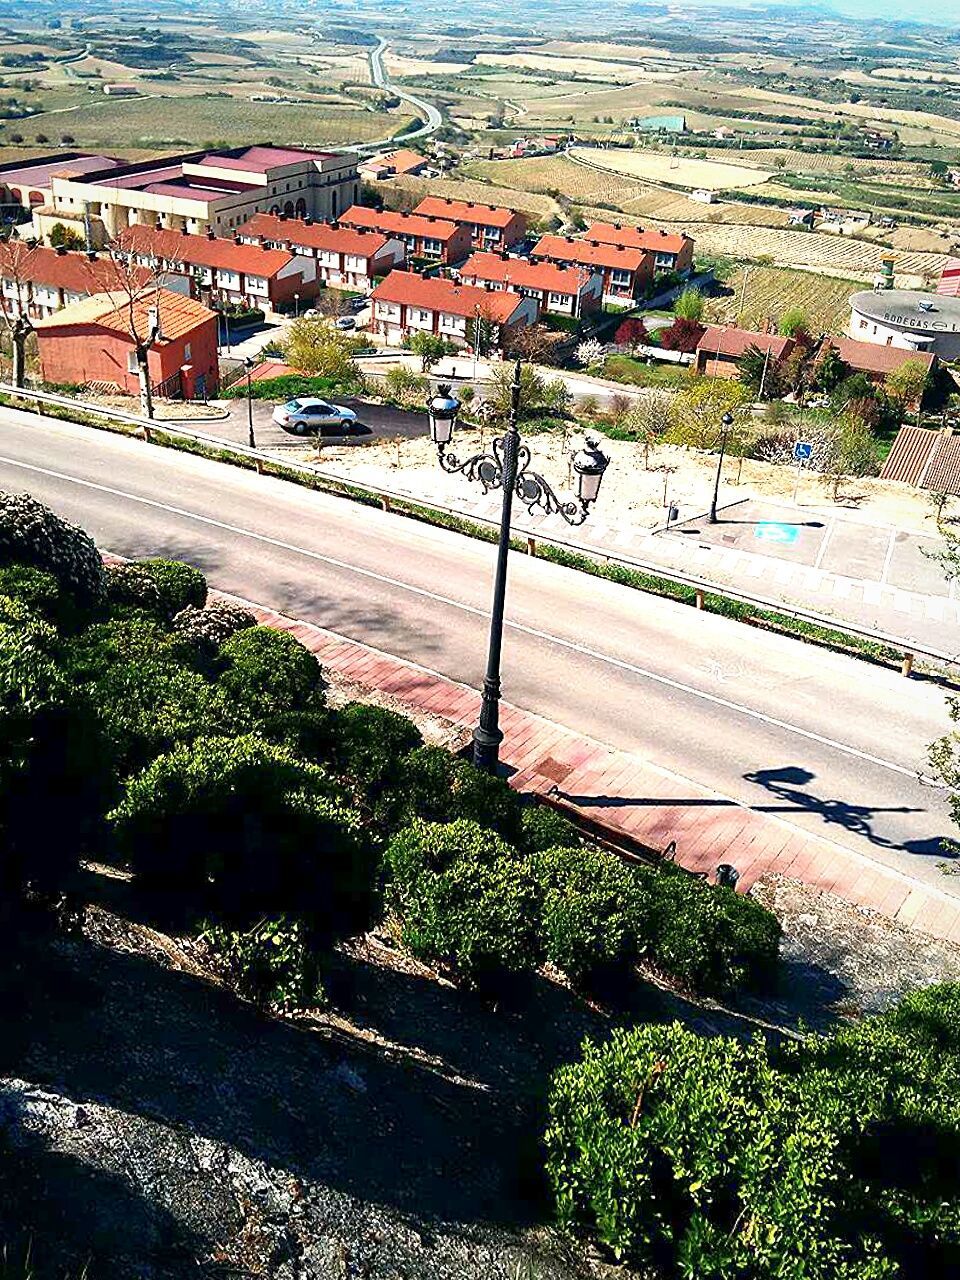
[(907, 318)]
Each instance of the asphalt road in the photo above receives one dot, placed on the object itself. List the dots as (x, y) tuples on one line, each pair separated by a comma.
[(376, 421), (827, 743)]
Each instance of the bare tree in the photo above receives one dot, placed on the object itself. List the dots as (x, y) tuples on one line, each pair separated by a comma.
[(15, 301), (138, 291), (649, 418)]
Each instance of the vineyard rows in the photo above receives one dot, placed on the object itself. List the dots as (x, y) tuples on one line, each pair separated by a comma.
[(771, 291)]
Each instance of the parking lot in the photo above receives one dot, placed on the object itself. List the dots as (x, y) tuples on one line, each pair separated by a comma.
[(375, 422)]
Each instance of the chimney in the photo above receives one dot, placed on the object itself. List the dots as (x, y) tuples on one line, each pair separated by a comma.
[(91, 255), (61, 251), (153, 321), (236, 238), (184, 231), (262, 241), (211, 234), (282, 217), (308, 221)]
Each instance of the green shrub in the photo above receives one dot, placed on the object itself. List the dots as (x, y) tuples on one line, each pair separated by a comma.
[(283, 388), (270, 672), (372, 742), (53, 771), (41, 593), (119, 640), (543, 828), (593, 911), (200, 633), (132, 586), (239, 828), (711, 938), (441, 787), (31, 534), (179, 584), (271, 964), (465, 900), (832, 1157)]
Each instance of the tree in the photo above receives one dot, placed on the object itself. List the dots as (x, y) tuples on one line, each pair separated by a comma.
[(315, 346), (535, 343), (794, 322), (683, 335), (15, 260), (62, 237), (851, 451), (906, 386), (698, 409), (533, 391), (429, 348), (689, 305), (590, 353), (830, 371), (760, 372), (648, 419), (632, 333)]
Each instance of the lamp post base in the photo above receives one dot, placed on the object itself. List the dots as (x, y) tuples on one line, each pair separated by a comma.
[(486, 749)]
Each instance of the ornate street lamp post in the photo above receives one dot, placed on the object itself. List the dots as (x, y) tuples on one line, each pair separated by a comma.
[(726, 423), (507, 467)]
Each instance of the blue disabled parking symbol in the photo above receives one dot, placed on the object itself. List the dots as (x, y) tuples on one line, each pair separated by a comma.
[(774, 531)]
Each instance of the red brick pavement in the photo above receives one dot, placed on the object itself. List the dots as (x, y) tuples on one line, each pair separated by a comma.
[(708, 828)]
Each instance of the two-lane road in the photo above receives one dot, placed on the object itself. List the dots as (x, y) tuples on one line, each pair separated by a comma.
[(827, 743)]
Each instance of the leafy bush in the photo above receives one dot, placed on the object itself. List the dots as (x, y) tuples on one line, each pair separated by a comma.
[(40, 592), (31, 534), (543, 828), (52, 766), (200, 633), (440, 787), (133, 586), (593, 910), (240, 828), (405, 388), (709, 937), (371, 744), (179, 584), (465, 899), (270, 672), (270, 964), (283, 388), (833, 1157)]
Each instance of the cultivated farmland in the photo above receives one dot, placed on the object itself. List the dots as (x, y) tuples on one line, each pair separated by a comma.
[(762, 293), (676, 170)]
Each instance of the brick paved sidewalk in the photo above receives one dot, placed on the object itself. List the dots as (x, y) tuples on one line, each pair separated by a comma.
[(624, 796)]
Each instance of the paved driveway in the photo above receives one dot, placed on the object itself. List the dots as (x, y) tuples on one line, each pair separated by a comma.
[(376, 421)]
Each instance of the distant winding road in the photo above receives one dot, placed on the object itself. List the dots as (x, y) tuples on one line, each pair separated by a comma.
[(432, 117)]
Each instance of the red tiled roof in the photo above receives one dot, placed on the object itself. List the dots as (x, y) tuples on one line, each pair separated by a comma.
[(179, 315), (734, 342), (391, 223), (436, 294), (926, 459), (75, 272), (525, 274), (635, 237), (204, 251), (315, 235), (949, 286), (588, 253), (403, 161), (483, 215), (868, 357)]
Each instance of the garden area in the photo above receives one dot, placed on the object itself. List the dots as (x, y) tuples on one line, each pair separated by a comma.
[(264, 917)]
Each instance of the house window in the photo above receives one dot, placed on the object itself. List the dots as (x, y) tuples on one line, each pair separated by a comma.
[(132, 362), (558, 299), (187, 352)]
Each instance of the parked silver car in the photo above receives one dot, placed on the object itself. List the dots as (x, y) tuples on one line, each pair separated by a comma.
[(309, 416)]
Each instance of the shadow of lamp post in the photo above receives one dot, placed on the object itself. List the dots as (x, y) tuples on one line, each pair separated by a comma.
[(507, 467)]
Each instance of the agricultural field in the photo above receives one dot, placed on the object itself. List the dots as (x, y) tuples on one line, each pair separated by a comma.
[(409, 191), (754, 295), (675, 170)]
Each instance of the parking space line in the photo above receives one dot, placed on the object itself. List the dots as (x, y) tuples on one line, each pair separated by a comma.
[(889, 556), (823, 545)]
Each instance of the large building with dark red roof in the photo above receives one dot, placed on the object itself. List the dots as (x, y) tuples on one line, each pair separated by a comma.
[(209, 190)]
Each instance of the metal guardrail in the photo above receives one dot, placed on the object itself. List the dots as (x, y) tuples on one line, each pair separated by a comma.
[(701, 587)]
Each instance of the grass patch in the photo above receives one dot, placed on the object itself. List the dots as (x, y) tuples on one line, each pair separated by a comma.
[(636, 373)]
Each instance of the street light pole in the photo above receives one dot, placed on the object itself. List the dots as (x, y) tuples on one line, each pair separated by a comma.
[(251, 439), (507, 467), (727, 423), (488, 735)]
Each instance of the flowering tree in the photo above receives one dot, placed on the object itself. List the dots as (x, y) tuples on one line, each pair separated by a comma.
[(590, 353)]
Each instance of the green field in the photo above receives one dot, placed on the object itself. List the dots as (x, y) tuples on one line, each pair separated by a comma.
[(200, 121)]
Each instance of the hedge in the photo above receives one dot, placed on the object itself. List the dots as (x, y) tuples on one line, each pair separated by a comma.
[(284, 388), (31, 534), (179, 584)]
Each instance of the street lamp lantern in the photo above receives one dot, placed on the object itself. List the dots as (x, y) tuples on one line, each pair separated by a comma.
[(443, 410), (589, 464)]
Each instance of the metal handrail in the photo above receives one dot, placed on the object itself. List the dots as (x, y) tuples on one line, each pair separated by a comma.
[(384, 495)]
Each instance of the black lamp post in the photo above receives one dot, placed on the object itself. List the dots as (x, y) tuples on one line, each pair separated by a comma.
[(507, 467), (726, 423), (251, 439)]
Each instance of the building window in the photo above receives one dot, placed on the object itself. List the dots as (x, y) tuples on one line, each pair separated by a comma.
[(187, 351), (131, 362)]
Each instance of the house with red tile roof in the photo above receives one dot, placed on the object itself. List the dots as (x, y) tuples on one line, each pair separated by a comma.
[(872, 360), (389, 164), (425, 237), (41, 281), (625, 272), (672, 251), (559, 291), (221, 269), (490, 226), (406, 303), (720, 349), (344, 257), (90, 342)]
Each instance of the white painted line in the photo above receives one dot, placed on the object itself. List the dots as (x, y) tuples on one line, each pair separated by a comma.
[(571, 645), (891, 543), (824, 544)]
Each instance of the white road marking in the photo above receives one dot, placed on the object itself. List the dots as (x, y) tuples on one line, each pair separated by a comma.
[(572, 645)]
